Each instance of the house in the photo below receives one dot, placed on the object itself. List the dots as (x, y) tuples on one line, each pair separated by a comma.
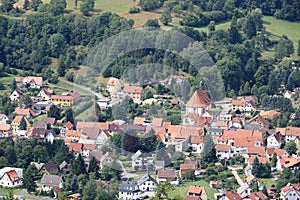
[(256, 196), (196, 144), (16, 123), (196, 191), (292, 133), (63, 100), (244, 190), (290, 192), (199, 103), (140, 161), (251, 179), (288, 94), (184, 168), (288, 162), (223, 151), (279, 152), (75, 196), (269, 114), (67, 126), (16, 95), (237, 106), (237, 122), (274, 141), (231, 195), (105, 159), (76, 148), (147, 185), (113, 85), (41, 134), (50, 168), (249, 109), (189, 160), (3, 119), (5, 130), (215, 184), (260, 121), (49, 182), (87, 148), (136, 93), (10, 179), (64, 168), (73, 134), (167, 174), (32, 82), (25, 112), (129, 190), (45, 94)]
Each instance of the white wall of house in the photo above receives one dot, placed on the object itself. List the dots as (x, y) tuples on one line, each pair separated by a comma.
[(129, 195), (272, 142), (6, 182)]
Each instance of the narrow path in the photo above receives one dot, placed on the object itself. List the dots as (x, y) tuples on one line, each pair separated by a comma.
[(237, 177)]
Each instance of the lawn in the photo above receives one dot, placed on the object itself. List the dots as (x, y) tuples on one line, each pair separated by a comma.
[(268, 182), (182, 190), (71, 87), (4, 191), (117, 6), (281, 27), (86, 114)]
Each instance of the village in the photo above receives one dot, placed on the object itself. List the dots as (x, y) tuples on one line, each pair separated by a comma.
[(229, 145)]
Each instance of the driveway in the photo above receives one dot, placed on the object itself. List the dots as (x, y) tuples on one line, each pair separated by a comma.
[(237, 177)]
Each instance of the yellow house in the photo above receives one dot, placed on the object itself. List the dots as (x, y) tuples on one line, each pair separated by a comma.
[(63, 100), (16, 123)]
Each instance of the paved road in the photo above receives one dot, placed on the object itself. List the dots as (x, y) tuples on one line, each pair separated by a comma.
[(237, 177), (99, 95)]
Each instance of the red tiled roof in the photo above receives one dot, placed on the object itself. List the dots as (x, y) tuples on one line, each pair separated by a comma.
[(62, 97), (22, 111), (260, 151), (196, 140), (288, 162), (75, 147), (37, 80), (199, 99), (262, 160), (233, 195), (13, 176), (4, 127), (132, 89), (292, 131), (260, 119), (73, 133), (269, 114), (139, 120), (188, 166), (69, 125), (17, 119), (238, 103), (195, 190), (222, 148)]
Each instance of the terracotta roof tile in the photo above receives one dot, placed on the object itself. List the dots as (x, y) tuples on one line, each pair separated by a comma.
[(75, 147), (73, 133), (222, 148), (62, 97), (199, 99), (195, 190), (132, 89)]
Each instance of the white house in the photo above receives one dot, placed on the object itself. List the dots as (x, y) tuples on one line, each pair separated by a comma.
[(196, 143), (249, 108), (44, 94), (3, 119), (223, 151), (147, 185), (10, 179), (33, 82), (290, 192), (292, 133), (129, 190), (16, 94), (140, 161), (199, 103), (274, 141)]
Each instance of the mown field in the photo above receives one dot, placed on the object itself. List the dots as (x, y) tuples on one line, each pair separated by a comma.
[(182, 190)]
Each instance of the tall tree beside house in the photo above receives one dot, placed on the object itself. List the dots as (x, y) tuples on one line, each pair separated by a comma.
[(189, 175), (69, 115), (163, 191), (23, 124), (89, 191), (250, 27), (29, 178), (264, 190), (94, 167), (25, 101), (13, 85), (209, 151), (255, 167), (78, 166), (148, 143), (74, 184), (130, 142), (53, 112), (291, 147), (274, 160)]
